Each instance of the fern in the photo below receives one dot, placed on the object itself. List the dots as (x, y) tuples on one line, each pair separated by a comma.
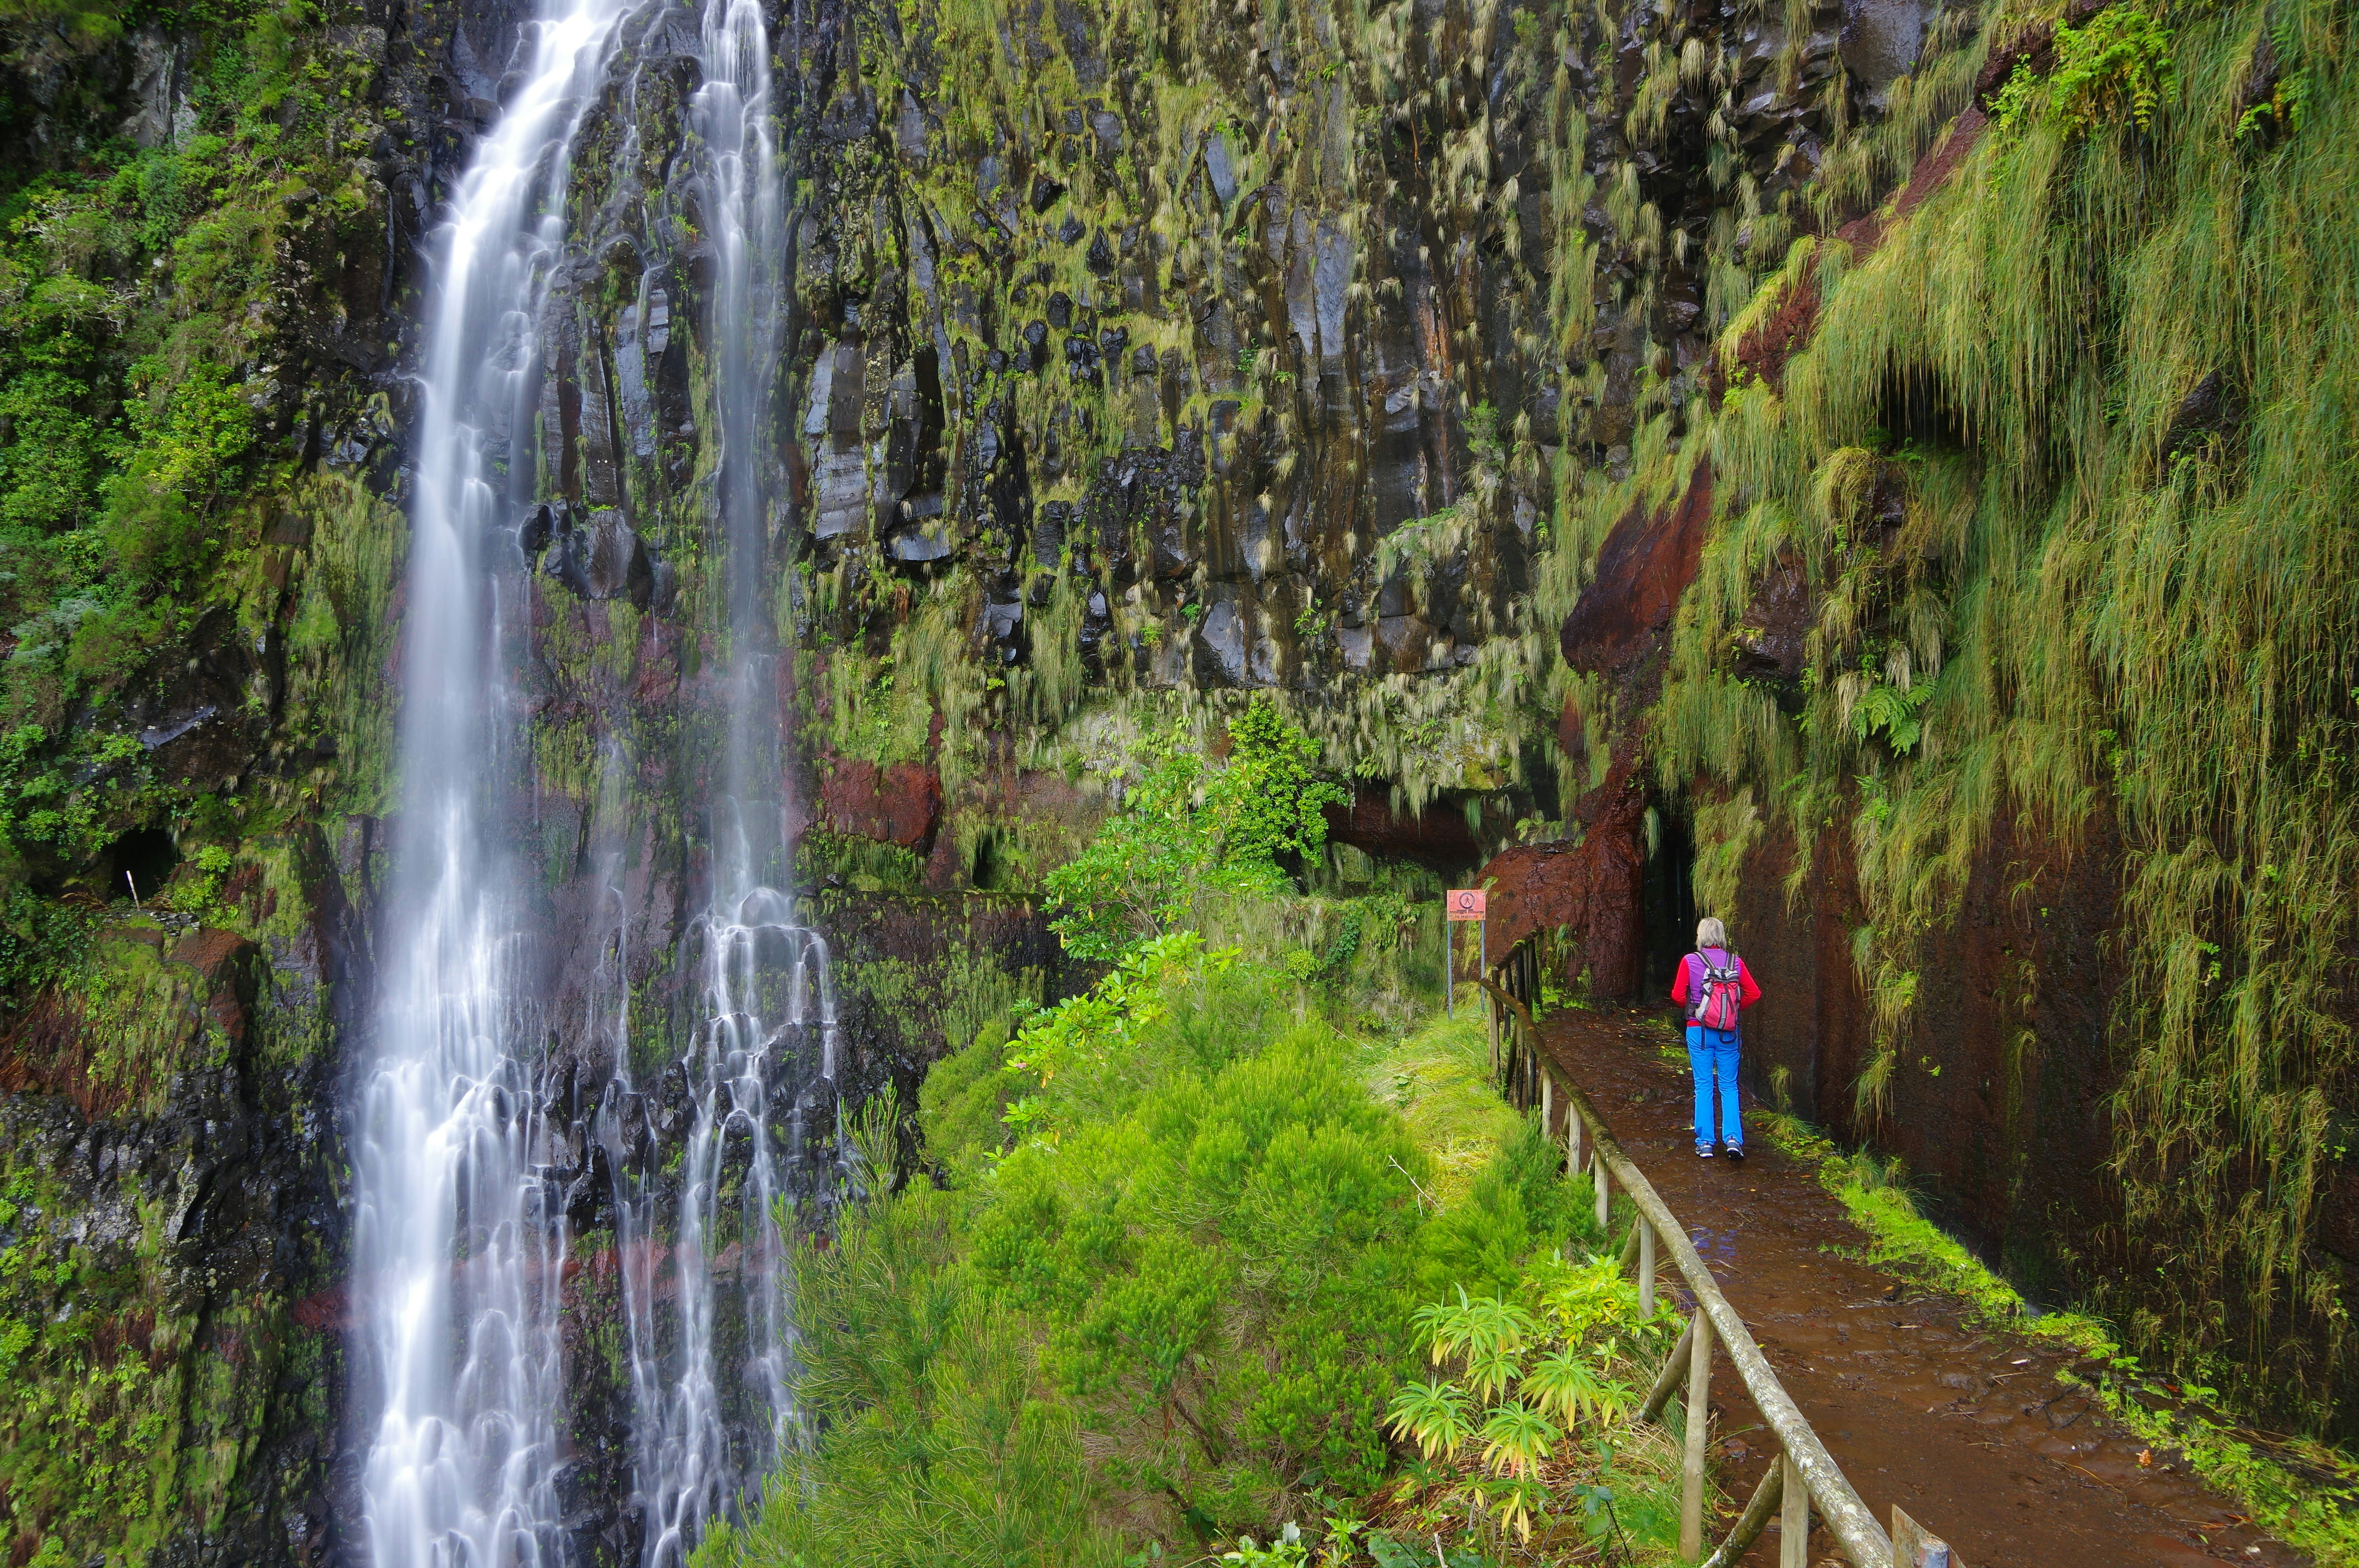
[(2121, 66), (2122, 62), (1892, 713)]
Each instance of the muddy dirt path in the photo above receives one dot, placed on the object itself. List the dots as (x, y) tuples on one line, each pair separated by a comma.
[(1966, 1429)]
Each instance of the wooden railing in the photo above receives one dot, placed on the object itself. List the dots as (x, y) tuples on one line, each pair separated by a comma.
[(1805, 1473)]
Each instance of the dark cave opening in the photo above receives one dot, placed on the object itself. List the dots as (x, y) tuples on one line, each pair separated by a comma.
[(141, 862), (1667, 905)]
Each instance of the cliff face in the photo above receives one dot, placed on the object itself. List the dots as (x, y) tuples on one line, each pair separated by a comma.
[(1138, 357), (1175, 351), (214, 283), (2023, 651)]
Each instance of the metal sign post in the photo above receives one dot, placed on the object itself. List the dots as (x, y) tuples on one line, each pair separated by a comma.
[(1461, 903)]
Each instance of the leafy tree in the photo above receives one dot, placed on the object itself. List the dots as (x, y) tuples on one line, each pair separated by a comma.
[(1184, 830)]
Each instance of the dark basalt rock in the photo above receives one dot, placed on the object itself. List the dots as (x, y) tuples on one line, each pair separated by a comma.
[(2210, 417), (1777, 628), (1437, 838), (603, 558)]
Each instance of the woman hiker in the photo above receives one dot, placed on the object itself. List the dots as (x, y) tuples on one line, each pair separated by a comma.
[(1714, 986)]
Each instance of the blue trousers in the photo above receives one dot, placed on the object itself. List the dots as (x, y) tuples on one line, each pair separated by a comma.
[(1712, 1054)]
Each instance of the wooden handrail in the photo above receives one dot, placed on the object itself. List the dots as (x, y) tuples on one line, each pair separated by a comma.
[(1864, 1541)]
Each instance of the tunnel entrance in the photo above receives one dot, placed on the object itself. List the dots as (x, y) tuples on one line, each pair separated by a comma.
[(1668, 897), (139, 863)]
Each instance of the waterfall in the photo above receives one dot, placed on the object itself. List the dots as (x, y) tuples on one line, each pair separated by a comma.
[(458, 1253), (460, 1243), (766, 1041)]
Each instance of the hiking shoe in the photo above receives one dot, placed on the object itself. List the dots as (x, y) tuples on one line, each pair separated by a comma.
[(1735, 1152), (1703, 1150)]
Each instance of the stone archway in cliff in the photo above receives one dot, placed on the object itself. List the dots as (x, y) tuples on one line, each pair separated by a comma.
[(1600, 888)]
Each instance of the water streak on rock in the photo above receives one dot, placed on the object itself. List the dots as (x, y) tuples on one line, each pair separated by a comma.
[(765, 1050)]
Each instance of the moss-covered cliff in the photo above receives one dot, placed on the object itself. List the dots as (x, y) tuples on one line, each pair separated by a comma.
[(2058, 743), (1794, 433)]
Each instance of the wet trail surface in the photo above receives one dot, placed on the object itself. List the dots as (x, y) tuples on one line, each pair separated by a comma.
[(1965, 1428)]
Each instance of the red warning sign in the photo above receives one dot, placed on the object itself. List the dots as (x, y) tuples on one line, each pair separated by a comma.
[(1465, 903)]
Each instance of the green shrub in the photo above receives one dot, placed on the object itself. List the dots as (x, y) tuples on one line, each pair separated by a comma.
[(2121, 66), (1184, 831), (140, 297), (1169, 1285)]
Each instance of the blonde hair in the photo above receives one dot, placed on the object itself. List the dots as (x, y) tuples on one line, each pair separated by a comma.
[(1710, 933)]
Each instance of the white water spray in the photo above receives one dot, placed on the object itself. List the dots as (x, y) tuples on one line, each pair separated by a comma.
[(766, 1041), (458, 1250)]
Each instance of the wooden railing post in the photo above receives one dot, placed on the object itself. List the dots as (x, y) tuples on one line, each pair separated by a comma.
[(1646, 1268), (1547, 1099), (1668, 1378), (1914, 1546), (1699, 1418), (1752, 1522), (1794, 1528), (1810, 1481)]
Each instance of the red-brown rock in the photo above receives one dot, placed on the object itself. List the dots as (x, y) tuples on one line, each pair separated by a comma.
[(900, 803), (221, 958), (1595, 888), (1646, 564)]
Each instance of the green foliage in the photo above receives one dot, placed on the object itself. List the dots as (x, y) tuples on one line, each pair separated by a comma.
[(40, 940), (2118, 67), (2288, 103), (1184, 831), (1526, 1380), (143, 293), (1171, 1283), (1389, 1553), (83, 25), (2118, 621), (119, 1426), (199, 892), (1889, 713), (2121, 66), (1286, 1552), (1439, 1078), (1514, 1204)]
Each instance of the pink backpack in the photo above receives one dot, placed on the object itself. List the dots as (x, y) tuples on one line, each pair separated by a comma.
[(1716, 1000)]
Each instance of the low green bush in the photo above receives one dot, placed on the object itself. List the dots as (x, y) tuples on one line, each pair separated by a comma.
[(1164, 1298)]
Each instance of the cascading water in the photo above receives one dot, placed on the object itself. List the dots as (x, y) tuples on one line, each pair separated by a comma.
[(768, 1010), (458, 1254)]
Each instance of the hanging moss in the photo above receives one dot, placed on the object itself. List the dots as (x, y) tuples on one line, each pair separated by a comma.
[(2062, 460)]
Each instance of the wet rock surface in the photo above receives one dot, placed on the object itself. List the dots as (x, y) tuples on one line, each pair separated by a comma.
[(176, 1131)]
